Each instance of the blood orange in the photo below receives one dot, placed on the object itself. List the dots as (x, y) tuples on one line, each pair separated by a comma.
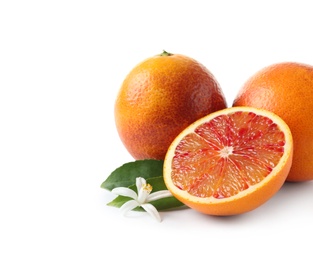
[(286, 89), (160, 97), (229, 162)]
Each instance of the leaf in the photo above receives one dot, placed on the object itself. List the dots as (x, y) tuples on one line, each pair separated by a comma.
[(126, 175), (162, 204)]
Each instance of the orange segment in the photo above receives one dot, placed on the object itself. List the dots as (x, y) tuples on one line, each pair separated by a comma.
[(236, 157)]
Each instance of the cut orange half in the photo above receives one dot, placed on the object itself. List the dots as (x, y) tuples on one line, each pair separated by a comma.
[(229, 162)]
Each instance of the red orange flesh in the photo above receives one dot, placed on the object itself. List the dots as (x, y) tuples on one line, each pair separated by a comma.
[(230, 161)]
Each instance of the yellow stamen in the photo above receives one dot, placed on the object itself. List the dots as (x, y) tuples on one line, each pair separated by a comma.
[(147, 187)]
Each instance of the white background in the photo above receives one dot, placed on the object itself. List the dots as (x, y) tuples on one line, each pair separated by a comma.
[(61, 65)]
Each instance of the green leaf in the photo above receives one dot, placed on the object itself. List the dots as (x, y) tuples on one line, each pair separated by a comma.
[(126, 175), (162, 204)]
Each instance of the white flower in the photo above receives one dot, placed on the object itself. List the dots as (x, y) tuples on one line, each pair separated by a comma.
[(141, 199)]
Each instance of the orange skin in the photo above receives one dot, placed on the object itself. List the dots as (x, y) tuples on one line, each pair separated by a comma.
[(159, 98), (287, 90)]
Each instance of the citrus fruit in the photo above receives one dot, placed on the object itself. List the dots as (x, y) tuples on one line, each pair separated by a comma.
[(160, 97), (229, 162), (287, 90)]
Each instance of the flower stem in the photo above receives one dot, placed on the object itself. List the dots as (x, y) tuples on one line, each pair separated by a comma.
[(165, 53)]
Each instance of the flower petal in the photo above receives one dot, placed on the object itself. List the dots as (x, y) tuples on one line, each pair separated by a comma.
[(140, 182), (122, 191), (142, 195), (152, 211), (128, 206), (159, 195)]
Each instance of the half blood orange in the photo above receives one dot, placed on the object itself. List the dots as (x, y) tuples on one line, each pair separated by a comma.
[(229, 162)]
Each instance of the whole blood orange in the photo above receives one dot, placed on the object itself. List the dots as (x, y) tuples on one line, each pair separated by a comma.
[(287, 90), (159, 98), (229, 162)]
